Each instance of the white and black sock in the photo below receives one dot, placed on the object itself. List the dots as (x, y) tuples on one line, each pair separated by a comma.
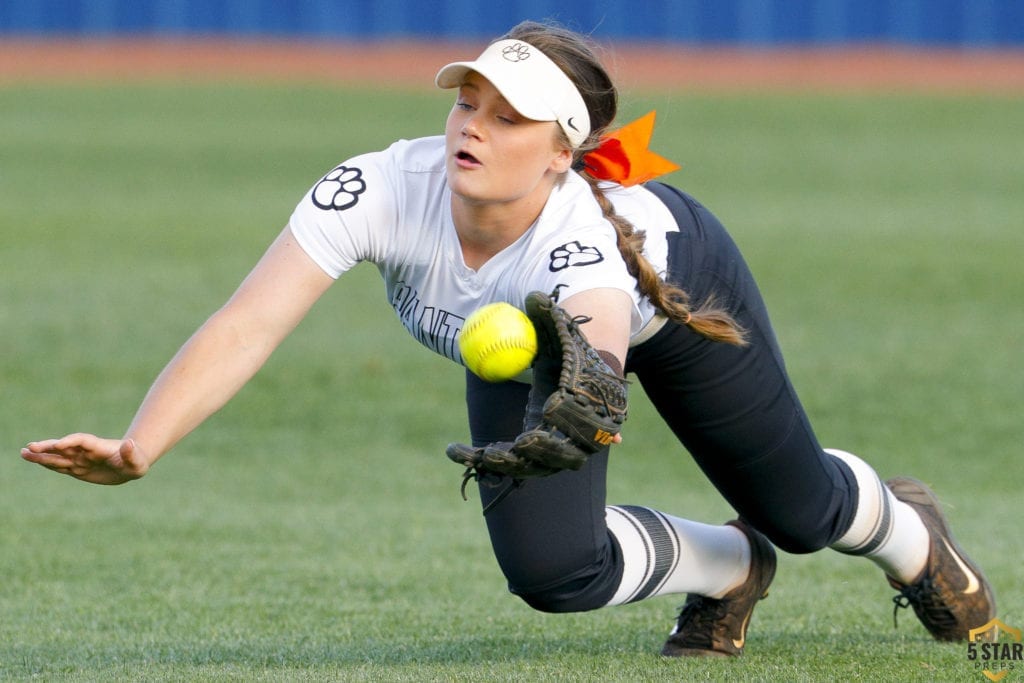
[(664, 555), (885, 530)]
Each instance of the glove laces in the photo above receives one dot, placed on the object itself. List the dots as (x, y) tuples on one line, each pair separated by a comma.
[(474, 474)]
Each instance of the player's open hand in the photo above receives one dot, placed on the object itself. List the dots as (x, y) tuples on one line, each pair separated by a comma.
[(89, 458)]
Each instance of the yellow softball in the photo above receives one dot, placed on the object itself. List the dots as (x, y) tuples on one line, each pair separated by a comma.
[(497, 342)]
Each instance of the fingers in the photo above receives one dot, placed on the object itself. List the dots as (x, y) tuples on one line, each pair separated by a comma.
[(48, 460), (39, 446), (66, 444), (68, 452), (62, 464), (55, 454)]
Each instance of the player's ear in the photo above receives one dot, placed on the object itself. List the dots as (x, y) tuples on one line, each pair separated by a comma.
[(562, 161)]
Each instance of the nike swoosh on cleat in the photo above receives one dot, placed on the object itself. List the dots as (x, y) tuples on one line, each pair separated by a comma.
[(739, 642), (972, 581)]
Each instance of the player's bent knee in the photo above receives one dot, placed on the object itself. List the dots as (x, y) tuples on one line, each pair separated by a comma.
[(797, 545), (576, 593), (555, 602), (797, 540)]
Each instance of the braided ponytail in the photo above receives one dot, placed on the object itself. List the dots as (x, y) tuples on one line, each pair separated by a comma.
[(708, 320), (576, 58)]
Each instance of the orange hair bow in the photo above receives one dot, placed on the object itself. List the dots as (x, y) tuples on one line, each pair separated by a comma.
[(624, 157)]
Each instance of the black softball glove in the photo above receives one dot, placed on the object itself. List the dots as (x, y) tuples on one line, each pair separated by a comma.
[(577, 403)]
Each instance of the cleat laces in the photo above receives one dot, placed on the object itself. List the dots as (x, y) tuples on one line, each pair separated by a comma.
[(926, 599)]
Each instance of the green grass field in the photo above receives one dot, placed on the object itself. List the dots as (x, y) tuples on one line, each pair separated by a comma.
[(313, 529)]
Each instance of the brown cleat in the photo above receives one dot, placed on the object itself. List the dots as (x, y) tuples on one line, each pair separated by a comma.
[(951, 596), (718, 628)]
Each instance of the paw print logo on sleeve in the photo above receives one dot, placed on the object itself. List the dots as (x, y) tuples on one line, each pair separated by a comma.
[(573, 254), (339, 189)]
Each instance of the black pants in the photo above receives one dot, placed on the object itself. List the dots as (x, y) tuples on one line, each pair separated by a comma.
[(734, 409)]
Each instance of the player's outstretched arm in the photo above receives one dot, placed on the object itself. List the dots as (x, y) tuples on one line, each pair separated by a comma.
[(209, 369)]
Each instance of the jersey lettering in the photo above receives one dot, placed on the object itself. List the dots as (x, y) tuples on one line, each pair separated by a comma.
[(435, 328)]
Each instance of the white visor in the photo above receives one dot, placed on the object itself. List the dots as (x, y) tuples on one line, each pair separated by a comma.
[(530, 81)]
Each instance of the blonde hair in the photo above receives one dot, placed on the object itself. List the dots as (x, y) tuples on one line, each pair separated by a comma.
[(575, 56)]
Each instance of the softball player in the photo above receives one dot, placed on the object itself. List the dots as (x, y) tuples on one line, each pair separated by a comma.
[(527, 191)]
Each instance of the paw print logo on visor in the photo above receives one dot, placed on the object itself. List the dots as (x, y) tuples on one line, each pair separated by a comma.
[(516, 53)]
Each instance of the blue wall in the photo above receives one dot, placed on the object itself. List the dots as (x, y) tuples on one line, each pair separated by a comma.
[(979, 23)]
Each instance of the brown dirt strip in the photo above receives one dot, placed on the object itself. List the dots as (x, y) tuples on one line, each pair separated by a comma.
[(412, 64)]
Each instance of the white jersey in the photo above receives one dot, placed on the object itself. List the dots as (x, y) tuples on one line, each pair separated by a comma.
[(393, 209)]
